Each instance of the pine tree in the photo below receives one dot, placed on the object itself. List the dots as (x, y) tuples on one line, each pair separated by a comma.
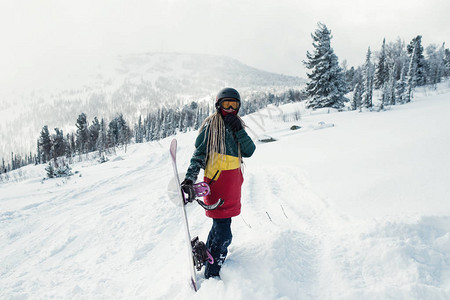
[(69, 150), (327, 84), (356, 102), (185, 120), (198, 118), (82, 133), (181, 122), (192, 113), (415, 49), (102, 139), (94, 131), (381, 72), (155, 126), (3, 169), (350, 79), (45, 144), (384, 95), (58, 144), (148, 124), (388, 92), (139, 131), (113, 133), (368, 74), (162, 124), (118, 132), (13, 163), (171, 122), (31, 159), (124, 131), (73, 144), (401, 87), (447, 62), (392, 86)]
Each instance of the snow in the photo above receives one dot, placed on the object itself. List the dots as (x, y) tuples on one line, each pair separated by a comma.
[(350, 206)]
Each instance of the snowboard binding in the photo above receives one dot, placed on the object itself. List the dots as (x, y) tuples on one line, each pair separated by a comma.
[(200, 254), (202, 189)]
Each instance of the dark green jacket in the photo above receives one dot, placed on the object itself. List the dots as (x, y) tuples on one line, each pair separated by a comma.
[(198, 160)]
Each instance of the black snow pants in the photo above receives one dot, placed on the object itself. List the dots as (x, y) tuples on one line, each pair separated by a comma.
[(219, 239)]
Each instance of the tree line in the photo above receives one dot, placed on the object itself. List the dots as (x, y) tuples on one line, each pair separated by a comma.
[(167, 121), (58, 149), (396, 71)]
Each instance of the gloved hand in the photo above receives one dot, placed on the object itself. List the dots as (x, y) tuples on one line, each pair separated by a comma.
[(187, 187), (233, 121)]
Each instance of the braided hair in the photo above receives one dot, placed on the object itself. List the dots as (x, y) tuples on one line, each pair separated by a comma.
[(215, 147)]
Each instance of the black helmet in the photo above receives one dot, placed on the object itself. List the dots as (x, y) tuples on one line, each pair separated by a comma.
[(227, 93)]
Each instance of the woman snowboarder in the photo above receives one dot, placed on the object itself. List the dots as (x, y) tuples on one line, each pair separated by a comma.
[(220, 147)]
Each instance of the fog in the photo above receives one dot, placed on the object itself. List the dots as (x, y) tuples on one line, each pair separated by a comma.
[(48, 41)]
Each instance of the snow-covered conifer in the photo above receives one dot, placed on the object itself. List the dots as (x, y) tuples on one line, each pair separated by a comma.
[(401, 87), (198, 118), (119, 132), (82, 133), (94, 131), (382, 71), (139, 131), (68, 149), (326, 85), (58, 144), (3, 169), (368, 74), (122, 130), (415, 50), (388, 96), (350, 79), (102, 140), (447, 62), (392, 86), (357, 96), (45, 144)]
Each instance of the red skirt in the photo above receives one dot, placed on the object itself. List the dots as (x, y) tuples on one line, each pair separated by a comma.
[(228, 187)]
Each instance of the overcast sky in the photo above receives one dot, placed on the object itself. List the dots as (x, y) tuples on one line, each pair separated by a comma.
[(45, 39)]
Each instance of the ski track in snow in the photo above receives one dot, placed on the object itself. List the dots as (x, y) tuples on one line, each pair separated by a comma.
[(110, 232)]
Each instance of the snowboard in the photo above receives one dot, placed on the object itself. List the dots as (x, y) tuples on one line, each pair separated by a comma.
[(173, 155), (197, 251)]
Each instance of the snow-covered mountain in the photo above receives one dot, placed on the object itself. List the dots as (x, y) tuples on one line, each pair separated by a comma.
[(129, 84), (348, 206)]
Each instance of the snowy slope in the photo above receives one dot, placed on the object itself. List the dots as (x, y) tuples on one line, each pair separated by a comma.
[(358, 210)]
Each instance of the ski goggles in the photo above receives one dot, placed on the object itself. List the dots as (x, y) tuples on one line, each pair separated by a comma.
[(227, 104)]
